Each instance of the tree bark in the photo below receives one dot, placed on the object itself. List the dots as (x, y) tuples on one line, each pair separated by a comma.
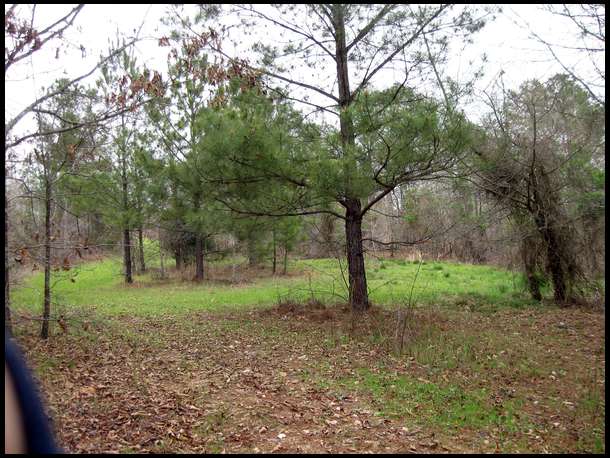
[(134, 264), (285, 271), (198, 258), (161, 257), (555, 264), (141, 245), (126, 236), (97, 228), (559, 259), (234, 264), (127, 256), (358, 292), (529, 255), (327, 229), (198, 245), (44, 332)]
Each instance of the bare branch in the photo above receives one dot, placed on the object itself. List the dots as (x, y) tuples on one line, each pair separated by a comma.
[(13, 122), (14, 56), (367, 28)]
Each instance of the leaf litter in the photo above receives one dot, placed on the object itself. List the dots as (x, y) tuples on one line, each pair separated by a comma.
[(256, 381)]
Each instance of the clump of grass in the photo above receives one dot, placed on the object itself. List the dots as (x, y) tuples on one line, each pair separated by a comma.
[(431, 404), (429, 344)]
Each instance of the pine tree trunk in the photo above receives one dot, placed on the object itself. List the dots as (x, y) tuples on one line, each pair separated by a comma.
[(327, 229), (590, 240), (141, 245), (126, 236), (127, 256), (95, 229), (198, 244), (285, 271), (198, 258), (161, 257), (46, 314), (234, 264), (358, 292), (134, 264), (555, 251)]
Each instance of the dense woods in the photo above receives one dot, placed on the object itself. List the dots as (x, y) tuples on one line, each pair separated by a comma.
[(302, 147)]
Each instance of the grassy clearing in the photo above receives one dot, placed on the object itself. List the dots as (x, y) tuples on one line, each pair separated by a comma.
[(100, 286)]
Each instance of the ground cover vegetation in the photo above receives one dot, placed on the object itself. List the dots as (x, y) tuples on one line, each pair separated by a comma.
[(300, 375), (227, 255)]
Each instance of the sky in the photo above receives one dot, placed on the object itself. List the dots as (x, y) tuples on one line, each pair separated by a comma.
[(506, 41)]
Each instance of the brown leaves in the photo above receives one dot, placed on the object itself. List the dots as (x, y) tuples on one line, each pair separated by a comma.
[(87, 391), (71, 150), (37, 42), (21, 31), (223, 382), (62, 324), (133, 88)]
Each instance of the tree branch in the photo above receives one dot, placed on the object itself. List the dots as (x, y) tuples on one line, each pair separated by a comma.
[(385, 10), (11, 124)]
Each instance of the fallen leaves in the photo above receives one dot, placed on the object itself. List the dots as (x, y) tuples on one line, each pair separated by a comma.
[(207, 385)]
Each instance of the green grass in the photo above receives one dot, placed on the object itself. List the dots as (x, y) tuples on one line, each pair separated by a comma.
[(432, 404), (100, 286), (443, 283)]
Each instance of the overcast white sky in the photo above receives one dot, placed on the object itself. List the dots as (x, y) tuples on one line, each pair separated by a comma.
[(507, 45)]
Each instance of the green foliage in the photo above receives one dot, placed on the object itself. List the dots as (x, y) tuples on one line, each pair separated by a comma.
[(541, 157), (152, 249), (288, 231), (267, 161)]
